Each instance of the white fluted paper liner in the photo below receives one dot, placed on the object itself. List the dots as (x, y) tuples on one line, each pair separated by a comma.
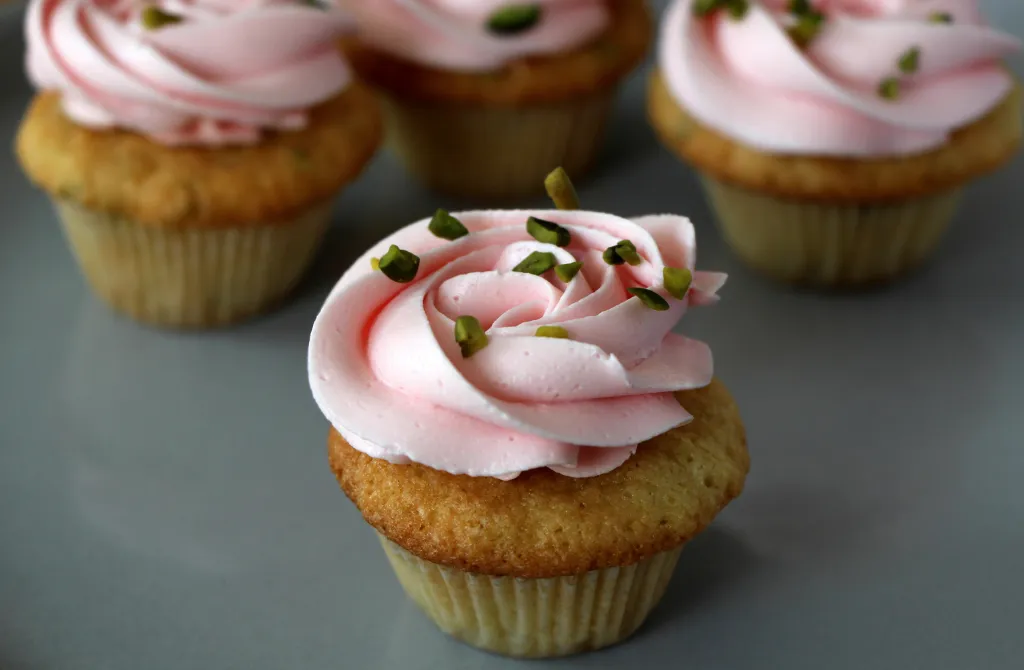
[(830, 244), (535, 618), (191, 277), (493, 151)]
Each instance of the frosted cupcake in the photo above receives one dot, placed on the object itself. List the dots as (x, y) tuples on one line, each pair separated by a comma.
[(834, 138), (512, 414), (193, 150), (484, 98)]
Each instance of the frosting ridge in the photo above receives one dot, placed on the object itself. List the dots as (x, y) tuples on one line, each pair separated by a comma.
[(387, 372), (453, 34), (878, 77), (220, 74)]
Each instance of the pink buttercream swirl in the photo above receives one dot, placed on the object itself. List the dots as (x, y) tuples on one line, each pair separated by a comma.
[(453, 34), (227, 71), (748, 80), (386, 371)]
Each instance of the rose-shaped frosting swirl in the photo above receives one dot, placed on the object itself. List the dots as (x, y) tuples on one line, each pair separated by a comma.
[(454, 34), (748, 80), (222, 73), (386, 371)]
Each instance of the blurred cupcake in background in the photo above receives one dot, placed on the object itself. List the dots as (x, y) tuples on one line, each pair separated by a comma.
[(834, 137), (193, 149), (484, 98)]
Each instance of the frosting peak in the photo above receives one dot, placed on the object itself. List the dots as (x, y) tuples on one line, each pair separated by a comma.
[(205, 72), (387, 372), (455, 34), (866, 77)]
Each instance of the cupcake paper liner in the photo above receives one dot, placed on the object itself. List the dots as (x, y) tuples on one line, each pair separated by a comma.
[(535, 618), (492, 151), (830, 244), (191, 277)]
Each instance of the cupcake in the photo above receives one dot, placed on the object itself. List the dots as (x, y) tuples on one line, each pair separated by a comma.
[(834, 138), (512, 414), (192, 149), (484, 98)]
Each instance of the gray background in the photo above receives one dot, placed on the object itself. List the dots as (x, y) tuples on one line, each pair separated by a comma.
[(165, 499)]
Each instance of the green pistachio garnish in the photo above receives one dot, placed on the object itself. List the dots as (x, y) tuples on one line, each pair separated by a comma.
[(547, 232), (910, 60), (154, 18), (553, 331), (446, 226), (469, 335), (677, 281), (623, 252), (537, 263), (806, 28), (567, 271), (706, 7), (611, 256), (513, 19), (316, 4), (627, 252), (737, 8), (799, 7), (375, 263), (650, 299), (399, 265), (889, 88), (560, 190), (940, 17)]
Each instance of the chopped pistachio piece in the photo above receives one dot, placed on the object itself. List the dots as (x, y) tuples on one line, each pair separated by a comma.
[(737, 8), (677, 281), (806, 28), (889, 88), (375, 263), (547, 232), (446, 226), (706, 7), (910, 60), (154, 18), (567, 271), (627, 252), (537, 263), (611, 256), (469, 335), (650, 299), (553, 331), (560, 190), (940, 17), (799, 6), (399, 265), (513, 19)]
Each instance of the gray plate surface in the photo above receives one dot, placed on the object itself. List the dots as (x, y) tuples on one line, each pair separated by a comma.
[(165, 500)]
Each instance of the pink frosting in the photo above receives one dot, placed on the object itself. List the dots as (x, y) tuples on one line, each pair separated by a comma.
[(748, 80), (387, 373), (228, 70), (453, 34)]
